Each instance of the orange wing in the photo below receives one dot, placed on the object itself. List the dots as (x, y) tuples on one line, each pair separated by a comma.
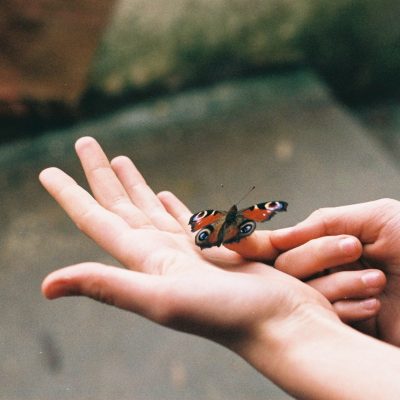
[(204, 218), (262, 212)]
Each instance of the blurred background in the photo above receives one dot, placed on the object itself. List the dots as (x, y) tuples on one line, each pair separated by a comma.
[(299, 98)]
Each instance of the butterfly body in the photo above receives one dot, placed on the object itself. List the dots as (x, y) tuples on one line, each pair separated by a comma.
[(220, 227)]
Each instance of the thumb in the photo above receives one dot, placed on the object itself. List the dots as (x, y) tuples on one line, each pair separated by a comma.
[(129, 290), (256, 247), (364, 221)]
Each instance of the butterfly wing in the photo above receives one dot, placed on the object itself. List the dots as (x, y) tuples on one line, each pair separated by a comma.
[(262, 212), (217, 227), (245, 220), (209, 224), (211, 235), (203, 218)]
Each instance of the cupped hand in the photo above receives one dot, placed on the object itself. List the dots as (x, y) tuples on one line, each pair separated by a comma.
[(332, 265), (376, 224)]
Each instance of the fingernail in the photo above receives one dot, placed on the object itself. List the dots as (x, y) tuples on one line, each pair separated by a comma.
[(369, 304), (372, 279), (348, 245)]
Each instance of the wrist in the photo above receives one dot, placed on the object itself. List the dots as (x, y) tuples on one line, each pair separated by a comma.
[(312, 355), (276, 347)]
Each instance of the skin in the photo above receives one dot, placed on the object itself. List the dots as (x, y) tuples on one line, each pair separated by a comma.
[(291, 331), (377, 225)]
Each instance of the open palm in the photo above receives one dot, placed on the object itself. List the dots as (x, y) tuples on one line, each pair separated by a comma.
[(168, 279)]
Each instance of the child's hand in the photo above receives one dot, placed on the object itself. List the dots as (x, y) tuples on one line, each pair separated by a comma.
[(281, 326), (377, 226), (329, 264)]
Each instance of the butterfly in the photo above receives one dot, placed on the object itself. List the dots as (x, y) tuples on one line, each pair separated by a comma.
[(220, 227)]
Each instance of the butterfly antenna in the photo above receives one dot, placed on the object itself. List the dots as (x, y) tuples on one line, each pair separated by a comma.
[(246, 194)]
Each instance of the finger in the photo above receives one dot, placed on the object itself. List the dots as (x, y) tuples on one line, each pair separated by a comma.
[(176, 208), (106, 187), (350, 284), (357, 310), (107, 229), (318, 255), (257, 247), (133, 291), (142, 195), (364, 221)]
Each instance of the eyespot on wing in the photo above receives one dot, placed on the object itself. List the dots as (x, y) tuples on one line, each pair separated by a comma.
[(203, 218), (207, 237), (262, 212)]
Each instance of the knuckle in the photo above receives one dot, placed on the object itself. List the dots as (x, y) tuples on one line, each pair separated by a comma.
[(320, 212), (167, 313), (167, 308), (118, 202), (83, 220), (321, 217), (97, 286), (281, 262)]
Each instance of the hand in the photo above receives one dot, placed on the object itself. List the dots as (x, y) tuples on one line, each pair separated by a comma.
[(129, 222), (377, 225), (330, 265), (257, 311), (215, 293)]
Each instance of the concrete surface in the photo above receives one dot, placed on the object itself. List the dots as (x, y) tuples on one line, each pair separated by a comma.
[(383, 121), (284, 134)]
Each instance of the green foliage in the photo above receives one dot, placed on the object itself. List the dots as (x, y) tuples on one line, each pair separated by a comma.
[(173, 44), (354, 44)]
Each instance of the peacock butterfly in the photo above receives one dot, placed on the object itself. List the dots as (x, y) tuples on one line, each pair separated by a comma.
[(220, 227)]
